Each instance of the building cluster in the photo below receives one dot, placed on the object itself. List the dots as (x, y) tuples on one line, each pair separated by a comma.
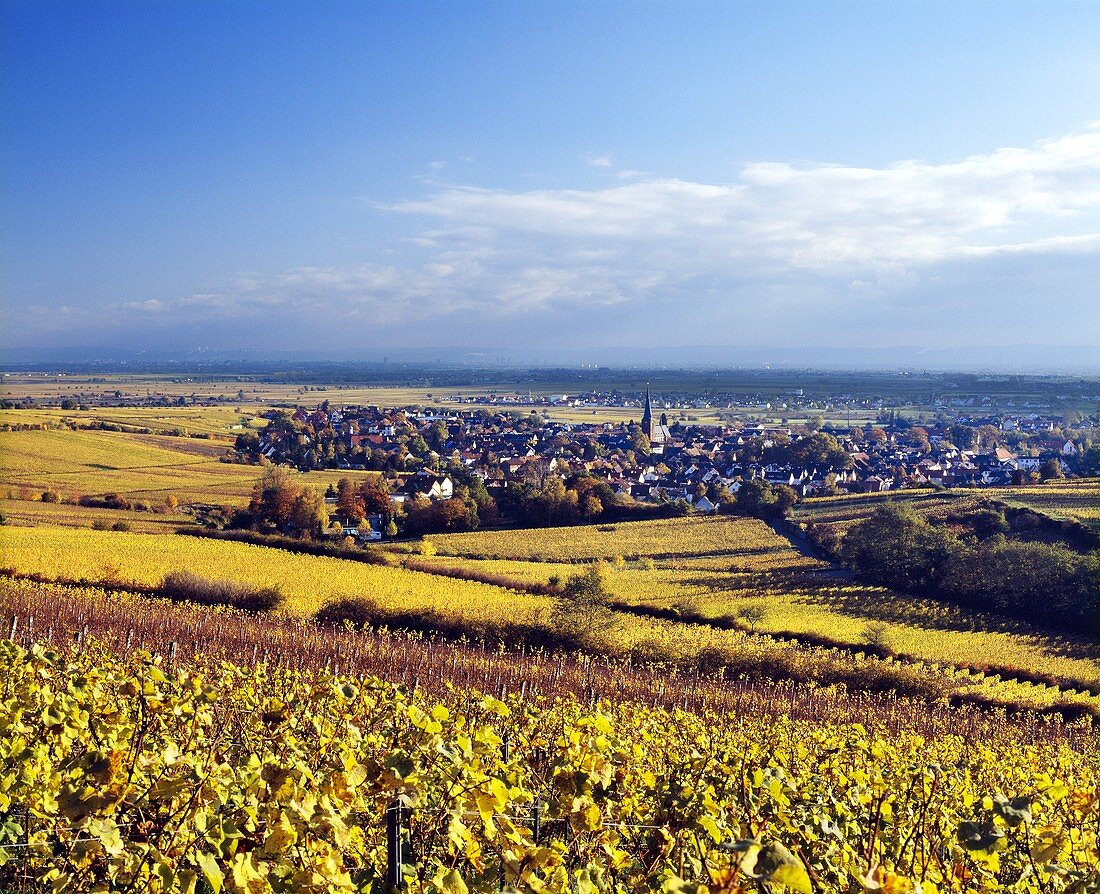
[(425, 451)]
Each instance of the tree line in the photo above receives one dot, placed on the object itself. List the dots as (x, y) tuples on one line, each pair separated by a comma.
[(1041, 583)]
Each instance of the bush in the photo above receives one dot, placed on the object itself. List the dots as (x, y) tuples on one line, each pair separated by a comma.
[(121, 526), (877, 633), (186, 586), (51, 496), (358, 612), (583, 610)]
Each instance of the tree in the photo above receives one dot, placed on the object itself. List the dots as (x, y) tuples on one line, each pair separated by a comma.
[(375, 495), (438, 435), (349, 503), (756, 498), (988, 435), (815, 422), (1089, 464), (752, 615), (821, 449), (309, 516), (896, 548), (274, 495), (919, 437), (760, 499), (963, 436), (583, 610), (1051, 469)]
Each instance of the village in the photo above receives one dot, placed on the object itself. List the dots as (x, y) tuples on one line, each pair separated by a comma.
[(505, 461)]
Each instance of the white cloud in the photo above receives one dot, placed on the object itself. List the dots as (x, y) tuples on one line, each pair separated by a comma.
[(820, 252), (820, 218)]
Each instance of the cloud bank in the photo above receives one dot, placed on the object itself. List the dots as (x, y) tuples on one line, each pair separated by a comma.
[(996, 247)]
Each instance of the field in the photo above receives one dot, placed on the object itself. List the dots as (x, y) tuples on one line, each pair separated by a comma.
[(253, 393), (665, 612), (663, 538), (276, 777), (220, 424), (750, 567), (307, 581), (139, 467), (31, 513), (1077, 499)]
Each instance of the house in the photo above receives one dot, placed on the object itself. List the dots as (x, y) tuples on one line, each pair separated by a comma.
[(426, 484), (705, 506)]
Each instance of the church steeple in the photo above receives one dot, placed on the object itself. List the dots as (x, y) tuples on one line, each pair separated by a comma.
[(647, 415)]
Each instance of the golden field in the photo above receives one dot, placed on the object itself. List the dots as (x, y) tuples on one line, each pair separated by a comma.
[(139, 467), (931, 633)]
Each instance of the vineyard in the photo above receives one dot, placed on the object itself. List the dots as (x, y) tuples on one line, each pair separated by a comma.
[(307, 581), (1078, 499), (668, 539), (146, 467), (754, 573), (29, 513), (135, 772), (674, 615), (840, 513), (219, 423)]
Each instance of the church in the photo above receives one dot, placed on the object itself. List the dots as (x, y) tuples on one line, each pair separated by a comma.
[(657, 432)]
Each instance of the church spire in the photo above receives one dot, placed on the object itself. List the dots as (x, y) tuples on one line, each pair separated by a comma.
[(647, 414)]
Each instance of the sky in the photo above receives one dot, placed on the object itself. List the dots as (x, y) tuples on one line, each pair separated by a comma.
[(358, 179)]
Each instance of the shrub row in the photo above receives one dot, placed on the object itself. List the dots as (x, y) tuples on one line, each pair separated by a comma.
[(186, 586)]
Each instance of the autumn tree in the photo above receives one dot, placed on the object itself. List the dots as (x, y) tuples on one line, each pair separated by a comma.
[(274, 495), (349, 503)]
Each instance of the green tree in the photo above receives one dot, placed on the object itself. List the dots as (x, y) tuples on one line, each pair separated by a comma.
[(639, 442), (583, 610), (1051, 469), (896, 548), (963, 436)]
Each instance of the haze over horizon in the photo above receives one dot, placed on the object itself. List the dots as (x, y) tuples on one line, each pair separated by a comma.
[(550, 179)]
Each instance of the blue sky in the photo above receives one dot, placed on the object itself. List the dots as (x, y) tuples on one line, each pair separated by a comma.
[(350, 177)]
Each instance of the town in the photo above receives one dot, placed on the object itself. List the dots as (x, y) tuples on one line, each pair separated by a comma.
[(521, 466)]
